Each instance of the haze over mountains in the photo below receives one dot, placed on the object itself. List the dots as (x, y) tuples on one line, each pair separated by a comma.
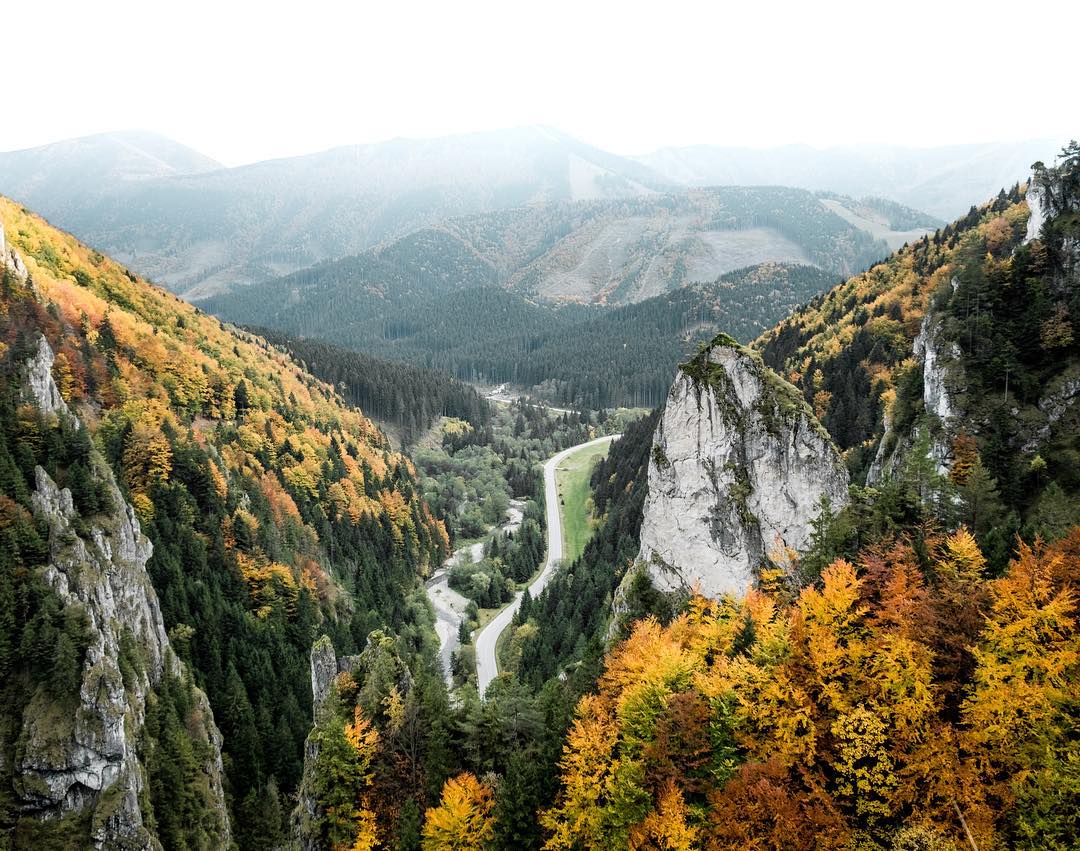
[(940, 180), (200, 229)]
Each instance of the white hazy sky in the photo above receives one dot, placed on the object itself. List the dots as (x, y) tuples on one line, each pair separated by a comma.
[(243, 82)]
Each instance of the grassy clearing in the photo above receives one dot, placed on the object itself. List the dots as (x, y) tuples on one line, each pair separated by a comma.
[(575, 498)]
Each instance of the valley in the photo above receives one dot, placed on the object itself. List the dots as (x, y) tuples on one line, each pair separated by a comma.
[(556, 512), (497, 491)]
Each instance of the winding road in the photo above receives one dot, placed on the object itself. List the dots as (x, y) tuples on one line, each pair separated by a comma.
[(449, 605), (487, 666)]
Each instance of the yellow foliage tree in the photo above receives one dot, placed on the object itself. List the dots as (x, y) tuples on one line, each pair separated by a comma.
[(667, 827), (1027, 658), (463, 820), (829, 631)]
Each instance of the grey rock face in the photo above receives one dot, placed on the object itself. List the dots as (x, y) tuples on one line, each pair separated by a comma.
[(739, 465), (324, 667), (1053, 406), (40, 386), (942, 368), (85, 756), (1038, 212), (9, 257), (935, 355)]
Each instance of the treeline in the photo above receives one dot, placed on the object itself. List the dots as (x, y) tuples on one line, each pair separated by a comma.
[(408, 397), (573, 356)]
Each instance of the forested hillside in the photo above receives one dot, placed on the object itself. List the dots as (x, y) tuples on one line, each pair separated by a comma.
[(963, 345), (407, 397), (275, 511), (572, 355)]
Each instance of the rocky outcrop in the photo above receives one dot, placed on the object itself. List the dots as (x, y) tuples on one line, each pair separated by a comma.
[(739, 466), (1052, 407), (942, 370), (1049, 198), (940, 360), (40, 386), (86, 756), (9, 257), (325, 667), (1037, 210)]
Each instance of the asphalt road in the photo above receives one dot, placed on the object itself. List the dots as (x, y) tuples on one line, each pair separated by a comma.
[(449, 605), (487, 668)]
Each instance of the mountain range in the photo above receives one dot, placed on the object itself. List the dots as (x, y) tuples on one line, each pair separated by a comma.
[(943, 180), (200, 229)]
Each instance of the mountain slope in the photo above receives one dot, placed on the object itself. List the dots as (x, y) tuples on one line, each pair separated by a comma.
[(275, 511), (606, 252), (941, 181), (953, 365), (96, 713), (61, 176), (909, 678), (199, 233)]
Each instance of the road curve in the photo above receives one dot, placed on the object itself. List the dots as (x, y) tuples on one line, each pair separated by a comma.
[(449, 605), (487, 668)]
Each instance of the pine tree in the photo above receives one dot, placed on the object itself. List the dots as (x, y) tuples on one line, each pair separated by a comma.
[(66, 674)]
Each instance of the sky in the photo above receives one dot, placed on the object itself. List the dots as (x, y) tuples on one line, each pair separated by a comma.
[(243, 82)]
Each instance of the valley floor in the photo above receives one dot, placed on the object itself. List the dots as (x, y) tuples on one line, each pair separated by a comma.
[(450, 606), (487, 667)]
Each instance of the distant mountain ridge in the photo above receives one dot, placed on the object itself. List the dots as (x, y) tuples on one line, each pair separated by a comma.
[(597, 252), (203, 231), (54, 174), (941, 180)]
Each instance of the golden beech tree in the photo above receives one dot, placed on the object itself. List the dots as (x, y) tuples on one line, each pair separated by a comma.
[(463, 820), (865, 772), (829, 635), (587, 774)]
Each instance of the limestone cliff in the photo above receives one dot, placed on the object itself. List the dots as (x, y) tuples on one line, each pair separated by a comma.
[(941, 365), (325, 667), (739, 465), (87, 757)]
